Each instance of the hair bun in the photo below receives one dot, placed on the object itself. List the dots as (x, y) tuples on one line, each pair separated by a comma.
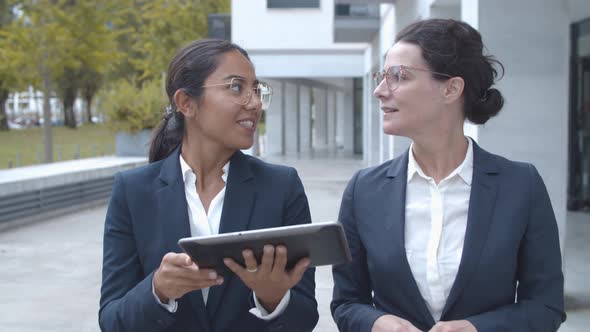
[(489, 106)]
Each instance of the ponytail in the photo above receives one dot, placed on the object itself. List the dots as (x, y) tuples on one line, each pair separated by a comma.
[(167, 135)]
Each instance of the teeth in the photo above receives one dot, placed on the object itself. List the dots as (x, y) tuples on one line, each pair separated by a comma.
[(247, 124)]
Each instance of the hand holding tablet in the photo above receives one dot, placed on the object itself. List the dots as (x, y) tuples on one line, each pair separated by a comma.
[(323, 243)]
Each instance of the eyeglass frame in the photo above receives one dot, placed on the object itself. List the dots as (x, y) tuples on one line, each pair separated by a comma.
[(249, 96), (385, 73)]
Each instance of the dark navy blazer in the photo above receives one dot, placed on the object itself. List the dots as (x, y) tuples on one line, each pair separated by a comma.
[(147, 216), (511, 249)]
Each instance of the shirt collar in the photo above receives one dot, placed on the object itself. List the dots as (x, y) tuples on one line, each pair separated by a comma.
[(465, 170), (187, 172)]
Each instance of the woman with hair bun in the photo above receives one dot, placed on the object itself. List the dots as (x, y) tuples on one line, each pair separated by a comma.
[(446, 237)]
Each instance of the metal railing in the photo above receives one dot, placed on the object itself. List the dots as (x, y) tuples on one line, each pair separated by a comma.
[(36, 202)]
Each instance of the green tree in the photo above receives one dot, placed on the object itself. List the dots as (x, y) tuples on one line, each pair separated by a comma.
[(168, 25), (36, 46), (151, 33), (90, 83), (7, 78), (93, 51)]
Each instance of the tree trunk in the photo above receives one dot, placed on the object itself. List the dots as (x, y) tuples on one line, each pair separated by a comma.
[(89, 108), (45, 72), (68, 102), (3, 116), (48, 140)]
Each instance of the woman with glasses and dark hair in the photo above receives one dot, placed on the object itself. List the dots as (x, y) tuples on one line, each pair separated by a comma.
[(199, 183), (446, 237)]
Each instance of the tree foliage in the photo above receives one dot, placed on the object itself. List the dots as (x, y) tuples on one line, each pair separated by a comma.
[(7, 78), (131, 108), (73, 48), (93, 50), (154, 31)]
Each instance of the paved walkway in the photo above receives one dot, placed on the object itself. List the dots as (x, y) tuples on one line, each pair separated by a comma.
[(50, 271)]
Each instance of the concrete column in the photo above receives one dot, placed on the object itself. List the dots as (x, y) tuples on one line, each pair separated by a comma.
[(321, 121), (304, 119), (375, 128), (533, 126), (366, 120), (291, 118), (345, 118), (331, 119), (347, 107), (275, 120)]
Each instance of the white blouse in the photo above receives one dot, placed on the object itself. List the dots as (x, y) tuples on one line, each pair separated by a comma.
[(436, 220)]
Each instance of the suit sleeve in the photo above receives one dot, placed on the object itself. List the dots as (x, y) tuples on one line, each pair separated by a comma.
[(301, 314), (539, 306), (352, 302), (126, 301)]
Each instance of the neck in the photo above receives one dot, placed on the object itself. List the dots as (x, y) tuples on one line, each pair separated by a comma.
[(205, 159), (439, 156)]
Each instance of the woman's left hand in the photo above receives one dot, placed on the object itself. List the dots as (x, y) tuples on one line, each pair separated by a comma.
[(269, 280), (454, 326)]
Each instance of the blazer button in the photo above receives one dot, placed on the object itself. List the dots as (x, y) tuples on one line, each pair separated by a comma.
[(160, 322)]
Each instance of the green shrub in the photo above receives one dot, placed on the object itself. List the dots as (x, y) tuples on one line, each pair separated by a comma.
[(131, 108)]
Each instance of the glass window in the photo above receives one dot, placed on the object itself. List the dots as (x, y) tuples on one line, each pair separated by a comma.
[(579, 141), (293, 3)]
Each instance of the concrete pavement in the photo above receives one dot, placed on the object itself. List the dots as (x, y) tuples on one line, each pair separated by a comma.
[(50, 271)]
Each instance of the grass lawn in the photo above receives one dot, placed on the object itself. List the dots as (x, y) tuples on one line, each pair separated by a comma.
[(90, 140)]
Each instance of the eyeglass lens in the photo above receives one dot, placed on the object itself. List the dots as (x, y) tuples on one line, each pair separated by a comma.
[(262, 91)]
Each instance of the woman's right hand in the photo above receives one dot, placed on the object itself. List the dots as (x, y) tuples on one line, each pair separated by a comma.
[(391, 323), (178, 275)]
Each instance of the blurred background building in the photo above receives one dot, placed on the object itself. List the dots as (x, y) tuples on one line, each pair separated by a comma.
[(319, 56)]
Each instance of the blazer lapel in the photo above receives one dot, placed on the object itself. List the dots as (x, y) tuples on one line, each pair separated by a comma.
[(394, 195), (173, 217), (237, 207), (479, 217)]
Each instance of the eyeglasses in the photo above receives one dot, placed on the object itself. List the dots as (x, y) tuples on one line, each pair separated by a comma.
[(242, 95), (395, 74)]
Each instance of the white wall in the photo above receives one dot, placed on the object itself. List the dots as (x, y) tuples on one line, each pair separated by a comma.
[(286, 43), (387, 31), (409, 11), (256, 27), (578, 9), (310, 64), (533, 126)]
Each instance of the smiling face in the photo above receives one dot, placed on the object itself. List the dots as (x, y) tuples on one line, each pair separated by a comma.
[(217, 117), (414, 107)]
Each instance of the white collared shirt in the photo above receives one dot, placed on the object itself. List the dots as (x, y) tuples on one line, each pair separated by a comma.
[(203, 223), (436, 220)]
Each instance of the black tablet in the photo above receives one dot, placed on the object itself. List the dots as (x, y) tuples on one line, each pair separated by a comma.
[(324, 243)]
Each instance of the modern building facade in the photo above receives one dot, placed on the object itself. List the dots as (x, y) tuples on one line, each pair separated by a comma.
[(319, 55)]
